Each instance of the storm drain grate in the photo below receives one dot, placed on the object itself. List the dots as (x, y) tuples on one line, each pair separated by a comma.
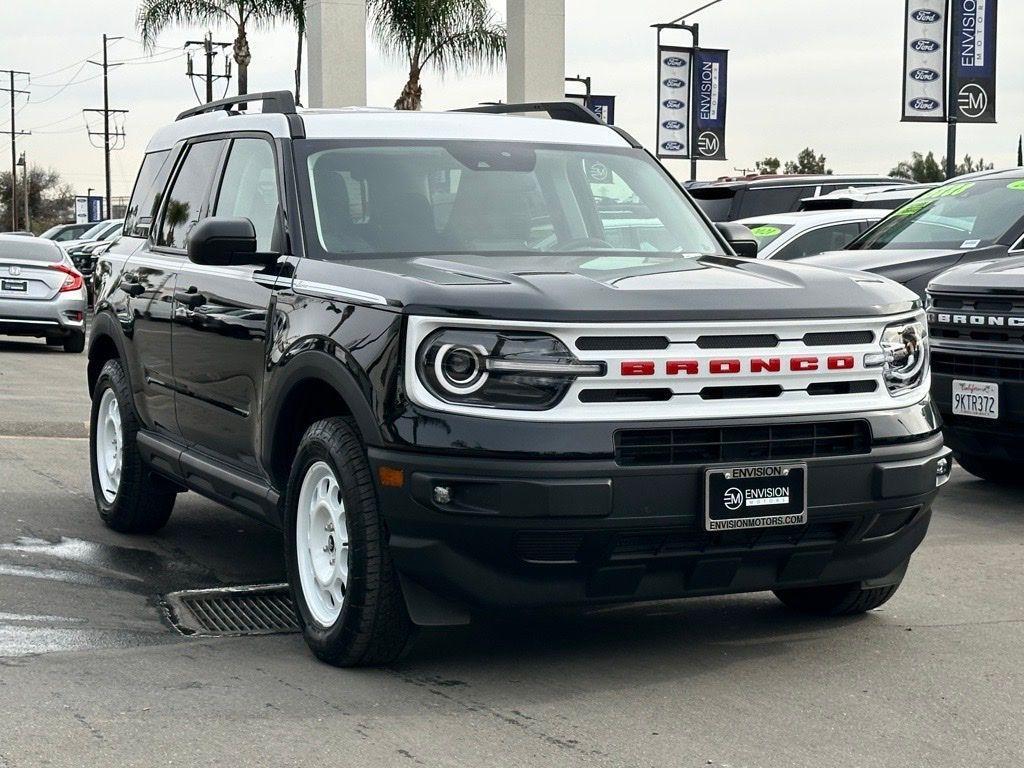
[(251, 610)]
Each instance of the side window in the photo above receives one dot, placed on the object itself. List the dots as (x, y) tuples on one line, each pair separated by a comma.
[(188, 193), (149, 187), (249, 189), (767, 200), (834, 237)]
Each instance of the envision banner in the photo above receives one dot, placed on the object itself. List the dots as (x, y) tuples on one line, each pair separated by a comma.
[(674, 65), (973, 43), (710, 71), (924, 62)]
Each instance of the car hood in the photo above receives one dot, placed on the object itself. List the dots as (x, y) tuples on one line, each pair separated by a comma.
[(599, 287), (1004, 275), (869, 260)]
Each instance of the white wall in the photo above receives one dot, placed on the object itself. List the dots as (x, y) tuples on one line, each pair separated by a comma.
[(536, 50), (336, 31)]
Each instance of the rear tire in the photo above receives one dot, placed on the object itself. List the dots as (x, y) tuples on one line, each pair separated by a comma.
[(836, 599), (993, 470), (75, 342), (347, 597), (129, 498)]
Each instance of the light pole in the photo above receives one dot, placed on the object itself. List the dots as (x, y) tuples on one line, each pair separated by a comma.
[(24, 164)]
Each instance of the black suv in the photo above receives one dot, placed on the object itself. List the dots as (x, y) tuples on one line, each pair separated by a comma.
[(976, 317), (473, 362), (733, 199)]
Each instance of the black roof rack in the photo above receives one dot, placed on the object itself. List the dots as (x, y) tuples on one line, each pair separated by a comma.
[(556, 110), (274, 102)]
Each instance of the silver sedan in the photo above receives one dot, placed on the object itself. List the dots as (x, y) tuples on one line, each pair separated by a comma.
[(41, 292)]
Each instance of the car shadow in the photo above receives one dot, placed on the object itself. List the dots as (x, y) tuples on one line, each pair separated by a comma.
[(31, 345)]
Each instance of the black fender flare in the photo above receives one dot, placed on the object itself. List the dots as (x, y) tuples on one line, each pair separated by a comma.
[(315, 363), (104, 325)]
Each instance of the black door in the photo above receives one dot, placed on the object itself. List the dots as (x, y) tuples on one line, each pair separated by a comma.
[(150, 279), (221, 316)]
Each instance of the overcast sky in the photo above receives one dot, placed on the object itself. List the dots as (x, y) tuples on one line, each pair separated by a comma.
[(819, 73)]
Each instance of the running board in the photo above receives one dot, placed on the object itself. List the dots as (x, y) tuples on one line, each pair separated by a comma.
[(208, 477)]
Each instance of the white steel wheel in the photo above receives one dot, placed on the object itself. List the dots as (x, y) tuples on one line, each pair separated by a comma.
[(322, 544), (109, 445)]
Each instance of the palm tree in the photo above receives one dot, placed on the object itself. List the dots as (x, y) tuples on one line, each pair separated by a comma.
[(296, 11), (449, 35), (154, 16)]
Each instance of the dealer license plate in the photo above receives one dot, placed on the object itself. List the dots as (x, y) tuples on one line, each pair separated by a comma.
[(758, 496), (976, 398), (14, 285)]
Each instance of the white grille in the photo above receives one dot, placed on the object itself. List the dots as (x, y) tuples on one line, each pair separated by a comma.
[(678, 393)]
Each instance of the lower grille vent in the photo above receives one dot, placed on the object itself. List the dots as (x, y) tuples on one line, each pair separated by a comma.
[(256, 610), (711, 445), (549, 546), (978, 366)]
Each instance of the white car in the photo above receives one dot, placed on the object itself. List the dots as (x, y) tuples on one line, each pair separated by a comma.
[(805, 233)]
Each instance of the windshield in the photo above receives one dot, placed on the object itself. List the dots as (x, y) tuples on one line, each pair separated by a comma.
[(767, 232), (95, 230), (478, 197), (967, 214)]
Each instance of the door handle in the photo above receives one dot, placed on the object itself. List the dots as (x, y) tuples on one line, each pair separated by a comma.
[(190, 298), (132, 288)]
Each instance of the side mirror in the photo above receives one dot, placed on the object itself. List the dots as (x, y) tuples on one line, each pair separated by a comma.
[(740, 238), (221, 241)]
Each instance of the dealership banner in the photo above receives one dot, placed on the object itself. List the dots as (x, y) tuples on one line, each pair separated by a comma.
[(973, 55), (603, 107), (924, 61), (674, 101), (710, 69)]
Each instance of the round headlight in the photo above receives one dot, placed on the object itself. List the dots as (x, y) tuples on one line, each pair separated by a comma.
[(460, 369)]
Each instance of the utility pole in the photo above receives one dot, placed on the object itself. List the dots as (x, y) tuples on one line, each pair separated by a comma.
[(107, 112), (208, 44), (23, 162), (14, 133)]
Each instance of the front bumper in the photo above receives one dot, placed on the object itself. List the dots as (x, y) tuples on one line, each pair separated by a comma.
[(998, 439), (63, 314), (540, 532)]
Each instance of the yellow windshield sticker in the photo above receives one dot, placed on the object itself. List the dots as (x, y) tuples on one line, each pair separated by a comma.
[(766, 231), (917, 205)]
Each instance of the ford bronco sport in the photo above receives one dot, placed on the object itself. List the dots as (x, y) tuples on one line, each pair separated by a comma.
[(474, 361)]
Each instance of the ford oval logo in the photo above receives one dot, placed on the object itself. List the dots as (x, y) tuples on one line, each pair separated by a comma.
[(924, 104), (673, 104), (674, 82), (672, 146), (672, 125), (675, 61), (924, 75), (924, 45), (926, 16)]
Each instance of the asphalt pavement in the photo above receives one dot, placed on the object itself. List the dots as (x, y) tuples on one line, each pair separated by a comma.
[(92, 673)]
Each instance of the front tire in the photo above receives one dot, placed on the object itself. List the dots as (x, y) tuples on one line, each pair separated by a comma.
[(836, 599), (346, 593), (993, 470), (128, 497)]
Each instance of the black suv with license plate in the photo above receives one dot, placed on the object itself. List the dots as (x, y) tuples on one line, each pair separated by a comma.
[(471, 362)]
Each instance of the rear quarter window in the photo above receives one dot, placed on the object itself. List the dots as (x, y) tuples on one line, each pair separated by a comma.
[(767, 200)]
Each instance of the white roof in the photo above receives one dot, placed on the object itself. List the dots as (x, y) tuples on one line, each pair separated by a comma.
[(806, 219), (362, 123)]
